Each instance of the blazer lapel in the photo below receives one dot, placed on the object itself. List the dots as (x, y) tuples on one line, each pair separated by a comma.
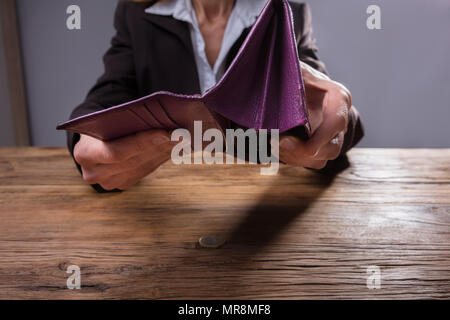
[(177, 28)]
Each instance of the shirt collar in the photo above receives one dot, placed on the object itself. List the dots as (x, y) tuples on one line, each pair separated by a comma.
[(179, 9), (247, 10)]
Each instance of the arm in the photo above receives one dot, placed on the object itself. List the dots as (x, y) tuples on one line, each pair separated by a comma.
[(119, 164), (117, 84)]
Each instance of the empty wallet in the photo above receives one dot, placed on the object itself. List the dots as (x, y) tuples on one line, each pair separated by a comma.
[(261, 89)]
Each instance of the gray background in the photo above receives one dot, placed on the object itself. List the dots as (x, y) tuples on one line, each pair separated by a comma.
[(399, 76)]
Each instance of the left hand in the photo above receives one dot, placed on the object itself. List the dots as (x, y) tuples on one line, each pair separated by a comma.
[(328, 103)]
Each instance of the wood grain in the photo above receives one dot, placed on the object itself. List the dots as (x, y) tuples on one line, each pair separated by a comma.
[(297, 235)]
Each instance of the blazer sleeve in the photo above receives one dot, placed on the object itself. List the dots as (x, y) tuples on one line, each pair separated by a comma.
[(118, 82), (307, 48)]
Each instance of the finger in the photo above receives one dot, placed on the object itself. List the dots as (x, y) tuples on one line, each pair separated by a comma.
[(292, 149), (293, 152), (146, 170), (124, 148), (125, 180), (332, 149), (314, 106), (89, 175), (102, 171), (86, 150), (333, 124), (305, 162), (315, 164), (319, 81), (312, 75)]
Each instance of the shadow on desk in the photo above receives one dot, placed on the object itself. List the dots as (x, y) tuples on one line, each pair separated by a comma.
[(270, 217)]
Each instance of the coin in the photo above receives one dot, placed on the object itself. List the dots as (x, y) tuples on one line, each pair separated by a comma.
[(211, 241)]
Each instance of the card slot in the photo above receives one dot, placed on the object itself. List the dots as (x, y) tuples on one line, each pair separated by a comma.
[(155, 107), (141, 111), (160, 124), (132, 126), (168, 115), (143, 120), (112, 125)]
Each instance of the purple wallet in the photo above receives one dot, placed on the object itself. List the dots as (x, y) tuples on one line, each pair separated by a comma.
[(262, 89)]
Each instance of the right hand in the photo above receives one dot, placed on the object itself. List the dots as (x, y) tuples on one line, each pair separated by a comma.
[(121, 163), (329, 104)]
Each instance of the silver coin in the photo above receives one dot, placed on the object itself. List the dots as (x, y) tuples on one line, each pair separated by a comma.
[(211, 241)]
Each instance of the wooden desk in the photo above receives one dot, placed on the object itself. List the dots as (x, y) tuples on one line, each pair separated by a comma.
[(295, 235)]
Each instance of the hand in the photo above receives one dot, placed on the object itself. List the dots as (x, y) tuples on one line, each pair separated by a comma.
[(328, 103), (121, 163)]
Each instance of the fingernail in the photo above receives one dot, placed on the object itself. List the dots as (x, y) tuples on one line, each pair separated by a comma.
[(287, 144), (160, 140)]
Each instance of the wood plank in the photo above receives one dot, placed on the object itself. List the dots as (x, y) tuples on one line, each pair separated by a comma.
[(296, 235)]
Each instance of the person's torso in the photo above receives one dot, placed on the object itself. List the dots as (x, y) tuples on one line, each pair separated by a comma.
[(164, 54)]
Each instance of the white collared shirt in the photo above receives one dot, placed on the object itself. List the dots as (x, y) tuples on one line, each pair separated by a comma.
[(243, 15)]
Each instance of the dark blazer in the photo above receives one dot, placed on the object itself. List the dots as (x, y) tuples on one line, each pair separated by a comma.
[(152, 53)]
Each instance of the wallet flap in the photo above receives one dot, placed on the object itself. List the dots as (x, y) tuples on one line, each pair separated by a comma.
[(163, 110), (263, 87)]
